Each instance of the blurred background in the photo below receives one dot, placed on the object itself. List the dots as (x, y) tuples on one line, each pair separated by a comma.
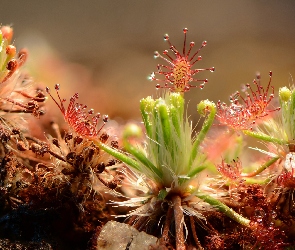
[(104, 49)]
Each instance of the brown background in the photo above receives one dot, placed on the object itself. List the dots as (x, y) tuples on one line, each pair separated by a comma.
[(115, 41)]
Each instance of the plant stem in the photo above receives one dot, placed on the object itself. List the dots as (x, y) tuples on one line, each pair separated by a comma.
[(146, 106), (264, 137), (142, 158), (165, 123), (261, 168), (196, 170), (224, 209), (120, 156), (205, 128)]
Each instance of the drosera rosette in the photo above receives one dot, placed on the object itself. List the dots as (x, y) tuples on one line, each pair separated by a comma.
[(18, 91), (244, 112), (77, 147), (19, 96), (278, 132), (178, 72), (83, 122)]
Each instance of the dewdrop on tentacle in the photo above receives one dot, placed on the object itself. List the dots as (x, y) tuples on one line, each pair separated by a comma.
[(179, 72), (81, 121)]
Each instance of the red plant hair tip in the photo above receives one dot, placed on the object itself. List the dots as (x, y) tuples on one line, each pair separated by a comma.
[(177, 72), (81, 121)]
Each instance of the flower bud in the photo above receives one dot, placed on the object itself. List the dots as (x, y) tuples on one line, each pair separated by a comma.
[(285, 94)]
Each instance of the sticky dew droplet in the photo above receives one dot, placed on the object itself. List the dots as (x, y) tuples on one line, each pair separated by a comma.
[(156, 54)]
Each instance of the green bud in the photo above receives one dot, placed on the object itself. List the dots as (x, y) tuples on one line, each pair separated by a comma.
[(285, 94), (205, 106), (147, 104)]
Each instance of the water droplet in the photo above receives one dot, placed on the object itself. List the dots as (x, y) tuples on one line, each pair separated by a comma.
[(56, 86), (204, 43), (158, 86), (91, 112), (156, 54), (152, 76), (47, 89), (270, 73), (166, 37), (212, 69), (192, 44), (199, 58), (185, 30), (165, 52), (202, 85)]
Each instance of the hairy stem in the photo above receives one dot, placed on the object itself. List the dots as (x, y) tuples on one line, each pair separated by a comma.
[(165, 123), (224, 209), (118, 155), (208, 106), (142, 158), (264, 137), (261, 168)]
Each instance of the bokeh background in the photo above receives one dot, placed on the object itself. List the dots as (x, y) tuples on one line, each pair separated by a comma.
[(104, 49)]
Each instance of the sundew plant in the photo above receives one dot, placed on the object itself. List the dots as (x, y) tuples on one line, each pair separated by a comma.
[(179, 194), (189, 187)]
